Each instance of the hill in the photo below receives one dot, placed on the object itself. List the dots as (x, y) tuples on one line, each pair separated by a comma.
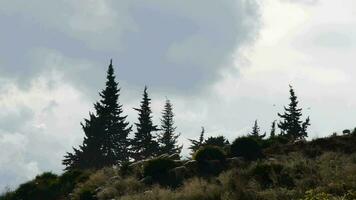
[(323, 168)]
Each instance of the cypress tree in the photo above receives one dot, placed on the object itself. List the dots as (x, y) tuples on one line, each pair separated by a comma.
[(291, 124), (143, 143), (168, 139), (196, 144)]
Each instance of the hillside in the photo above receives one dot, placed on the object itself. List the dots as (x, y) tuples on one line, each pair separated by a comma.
[(323, 168)]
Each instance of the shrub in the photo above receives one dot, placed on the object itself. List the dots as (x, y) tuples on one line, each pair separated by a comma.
[(246, 147), (271, 174), (87, 189), (219, 141), (209, 153), (125, 169), (313, 195), (44, 186), (211, 160), (157, 169), (70, 178)]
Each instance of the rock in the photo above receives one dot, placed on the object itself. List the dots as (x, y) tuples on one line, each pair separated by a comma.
[(192, 165), (174, 156)]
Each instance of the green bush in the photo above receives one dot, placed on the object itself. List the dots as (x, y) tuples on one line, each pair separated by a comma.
[(209, 153), (211, 160), (157, 170), (246, 147), (125, 169), (44, 186), (87, 189), (271, 174)]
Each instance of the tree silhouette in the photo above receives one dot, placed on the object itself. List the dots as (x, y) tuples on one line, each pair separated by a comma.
[(291, 125), (143, 143), (167, 138), (255, 133), (273, 129), (219, 141), (109, 110), (106, 132), (196, 144)]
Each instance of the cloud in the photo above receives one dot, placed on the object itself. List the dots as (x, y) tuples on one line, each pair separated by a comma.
[(146, 40), (40, 118)]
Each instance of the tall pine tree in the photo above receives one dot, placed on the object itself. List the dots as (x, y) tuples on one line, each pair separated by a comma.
[(109, 110), (106, 132), (144, 144), (168, 139), (291, 124)]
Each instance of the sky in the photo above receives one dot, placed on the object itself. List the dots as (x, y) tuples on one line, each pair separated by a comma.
[(223, 65)]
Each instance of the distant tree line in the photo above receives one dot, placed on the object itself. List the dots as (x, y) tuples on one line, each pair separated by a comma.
[(292, 129), (107, 138)]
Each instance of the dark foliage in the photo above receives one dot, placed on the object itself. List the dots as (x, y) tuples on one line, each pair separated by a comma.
[(211, 160), (291, 125), (116, 129), (219, 141), (196, 144), (158, 170), (167, 138), (48, 186), (106, 132), (273, 130), (143, 144), (208, 153), (271, 174), (255, 133), (246, 147)]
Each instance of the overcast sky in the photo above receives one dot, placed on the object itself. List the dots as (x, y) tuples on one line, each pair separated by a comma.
[(223, 64)]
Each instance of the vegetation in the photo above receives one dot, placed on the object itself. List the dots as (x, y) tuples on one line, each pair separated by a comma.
[(106, 132), (143, 144), (196, 144), (112, 165), (291, 125), (168, 138), (282, 175), (247, 148)]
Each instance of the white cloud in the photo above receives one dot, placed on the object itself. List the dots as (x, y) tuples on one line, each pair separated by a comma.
[(38, 142)]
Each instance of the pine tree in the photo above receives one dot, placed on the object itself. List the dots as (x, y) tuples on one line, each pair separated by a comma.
[(106, 132), (143, 144), (109, 110), (273, 129), (89, 155), (256, 131), (167, 138), (291, 125), (196, 144)]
